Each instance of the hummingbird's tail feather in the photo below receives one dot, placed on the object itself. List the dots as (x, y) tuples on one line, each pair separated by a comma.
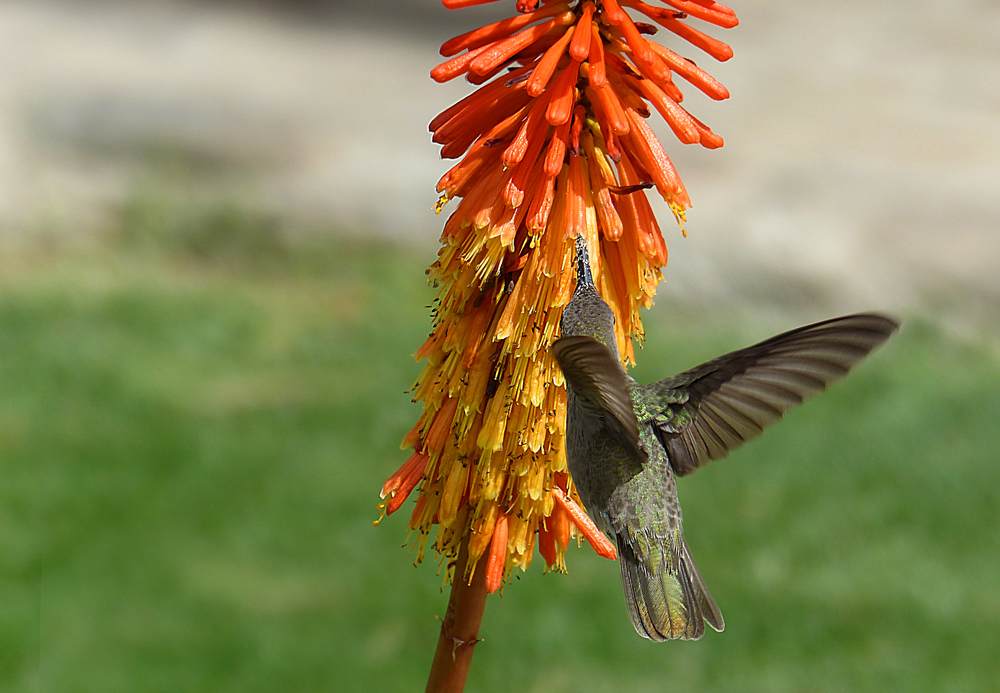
[(665, 595)]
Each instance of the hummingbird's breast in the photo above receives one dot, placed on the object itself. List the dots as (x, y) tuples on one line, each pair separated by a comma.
[(598, 462)]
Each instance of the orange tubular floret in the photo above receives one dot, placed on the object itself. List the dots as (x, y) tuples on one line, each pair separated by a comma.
[(709, 139), (457, 175), (511, 221), (598, 75), (396, 480), (614, 12), (656, 246), (456, 148), (626, 88), (560, 108), (576, 207), (525, 170), (507, 126), (498, 555), (606, 213), (579, 49), (458, 134), (646, 63), (638, 219), (459, 4), (579, 114), (715, 48), (437, 436), (456, 181), (534, 126), (557, 150), (476, 98), (418, 509), (480, 318), (459, 65), (714, 13), (498, 30), (667, 18), (453, 492), (612, 258), (532, 53), (478, 79), (612, 109), (560, 527), (491, 210), (546, 67), (479, 101), (639, 45), (541, 205), (671, 90), (547, 546), (650, 153), (412, 437), (691, 72), (602, 545), (408, 483), (500, 51), (679, 120), (482, 531)]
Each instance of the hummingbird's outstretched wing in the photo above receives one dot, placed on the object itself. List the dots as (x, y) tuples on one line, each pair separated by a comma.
[(702, 414), (599, 380)]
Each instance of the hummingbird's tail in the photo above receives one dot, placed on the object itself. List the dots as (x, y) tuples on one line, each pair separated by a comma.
[(665, 595)]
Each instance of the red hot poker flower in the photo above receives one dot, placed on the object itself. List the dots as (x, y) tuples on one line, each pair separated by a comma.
[(553, 144)]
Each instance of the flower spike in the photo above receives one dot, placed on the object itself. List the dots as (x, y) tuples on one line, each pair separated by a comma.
[(552, 144)]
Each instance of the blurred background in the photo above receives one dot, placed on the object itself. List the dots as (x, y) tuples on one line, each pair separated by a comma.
[(214, 223)]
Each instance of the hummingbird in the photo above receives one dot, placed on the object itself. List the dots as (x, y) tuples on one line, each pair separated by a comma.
[(626, 443)]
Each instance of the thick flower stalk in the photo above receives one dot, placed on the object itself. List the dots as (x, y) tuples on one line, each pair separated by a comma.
[(553, 144)]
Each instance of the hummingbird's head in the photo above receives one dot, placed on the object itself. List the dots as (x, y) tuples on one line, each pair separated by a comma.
[(586, 313)]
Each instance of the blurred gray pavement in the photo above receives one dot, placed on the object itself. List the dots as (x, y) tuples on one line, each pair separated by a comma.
[(861, 166)]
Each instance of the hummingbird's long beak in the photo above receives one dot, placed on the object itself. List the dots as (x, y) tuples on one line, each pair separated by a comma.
[(583, 273)]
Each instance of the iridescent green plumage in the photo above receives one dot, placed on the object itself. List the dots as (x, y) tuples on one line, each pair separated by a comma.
[(626, 442)]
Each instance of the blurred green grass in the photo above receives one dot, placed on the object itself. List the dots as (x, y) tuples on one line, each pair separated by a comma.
[(195, 423)]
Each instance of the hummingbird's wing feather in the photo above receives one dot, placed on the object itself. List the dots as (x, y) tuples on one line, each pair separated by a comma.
[(596, 376), (707, 411)]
